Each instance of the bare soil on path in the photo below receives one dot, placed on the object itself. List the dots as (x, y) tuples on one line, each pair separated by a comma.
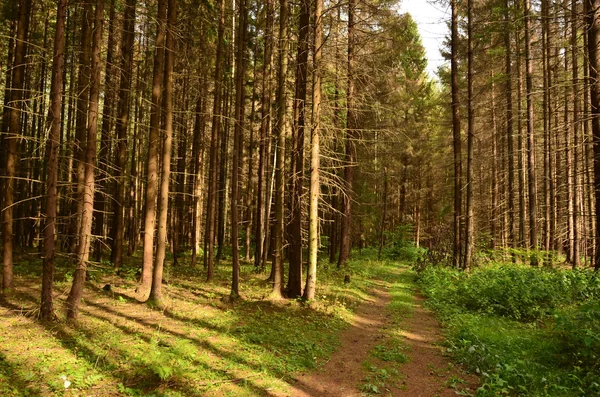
[(427, 373)]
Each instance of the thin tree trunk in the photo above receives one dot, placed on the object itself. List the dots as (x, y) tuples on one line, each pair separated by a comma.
[(12, 140), (313, 212), (576, 255), (264, 132), (279, 132), (240, 101), (156, 298), (153, 146), (85, 229), (469, 221), (209, 234), (295, 244), (346, 230), (104, 153), (457, 249), (47, 304), (593, 25), (509, 130), (121, 133)]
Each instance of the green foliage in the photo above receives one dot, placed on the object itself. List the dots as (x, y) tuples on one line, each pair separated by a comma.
[(580, 332), (514, 291), (400, 245), (164, 362), (526, 331)]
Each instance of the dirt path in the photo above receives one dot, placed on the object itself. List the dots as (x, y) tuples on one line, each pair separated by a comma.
[(426, 374)]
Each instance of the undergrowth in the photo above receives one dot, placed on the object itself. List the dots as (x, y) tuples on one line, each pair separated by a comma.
[(526, 331), (198, 346)]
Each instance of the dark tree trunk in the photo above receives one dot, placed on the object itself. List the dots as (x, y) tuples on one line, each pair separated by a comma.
[(297, 177), (12, 140), (121, 133), (457, 248), (350, 155), (85, 228), (49, 243)]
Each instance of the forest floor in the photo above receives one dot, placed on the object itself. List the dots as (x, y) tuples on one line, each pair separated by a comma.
[(393, 347), (369, 337)]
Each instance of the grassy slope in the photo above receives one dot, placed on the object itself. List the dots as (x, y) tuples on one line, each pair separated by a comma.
[(198, 346)]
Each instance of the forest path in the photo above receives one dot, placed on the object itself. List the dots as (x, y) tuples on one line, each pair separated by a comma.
[(355, 371)]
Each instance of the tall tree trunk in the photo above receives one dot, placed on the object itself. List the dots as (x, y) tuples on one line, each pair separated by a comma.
[(156, 298), (456, 248), (295, 244), (593, 26), (547, 114), (47, 304), (576, 255), (153, 146), (279, 132), (121, 133), (313, 212), (209, 234), (260, 225), (240, 101), (351, 118), (85, 228), (107, 116), (532, 180), (509, 129), (12, 140), (469, 221)]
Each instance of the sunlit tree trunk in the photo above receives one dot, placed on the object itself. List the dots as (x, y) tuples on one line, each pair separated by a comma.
[(313, 212), (156, 298), (153, 146)]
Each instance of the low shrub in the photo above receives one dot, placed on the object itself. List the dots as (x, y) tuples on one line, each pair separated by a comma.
[(514, 291)]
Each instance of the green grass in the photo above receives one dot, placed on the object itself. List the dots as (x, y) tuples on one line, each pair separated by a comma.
[(525, 331), (198, 346), (382, 368)]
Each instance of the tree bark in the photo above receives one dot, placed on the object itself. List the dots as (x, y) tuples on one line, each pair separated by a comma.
[(121, 133), (146, 277), (593, 26), (209, 234), (49, 243), (156, 298), (240, 101), (279, 132), (469, 219), (350, 155), (85, 228), (107, 116), (457, 246), (12, 140), (315, 193)]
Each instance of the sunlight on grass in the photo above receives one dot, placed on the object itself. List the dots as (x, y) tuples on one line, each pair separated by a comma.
[(197, 346)]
